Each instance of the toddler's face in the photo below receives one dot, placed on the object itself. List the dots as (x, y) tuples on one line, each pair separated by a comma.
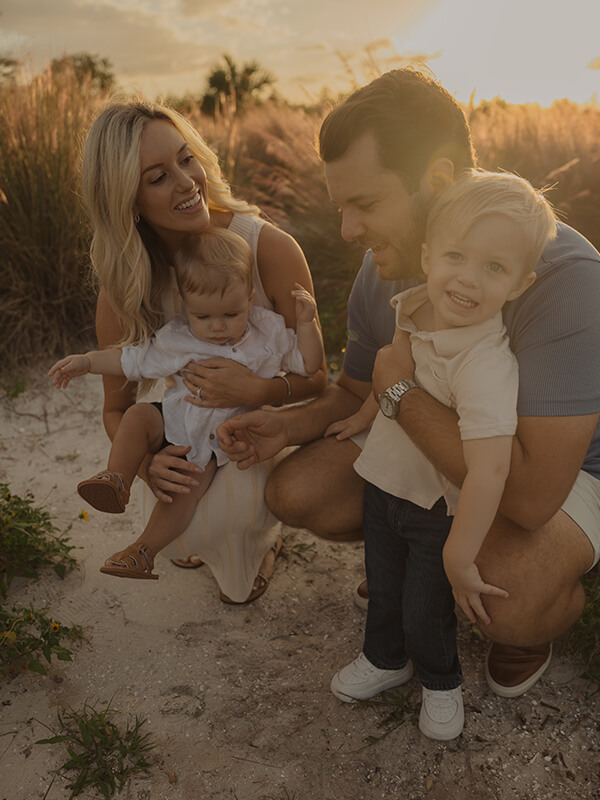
[(470, 278), (220, 320)]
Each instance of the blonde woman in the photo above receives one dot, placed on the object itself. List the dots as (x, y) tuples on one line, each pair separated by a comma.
[(149, 180)]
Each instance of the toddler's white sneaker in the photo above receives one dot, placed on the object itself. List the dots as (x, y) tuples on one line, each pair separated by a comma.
[(361, 679), (442, 714)]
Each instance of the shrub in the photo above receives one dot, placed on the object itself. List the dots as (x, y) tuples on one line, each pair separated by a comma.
[(29, 540), (27, 635)]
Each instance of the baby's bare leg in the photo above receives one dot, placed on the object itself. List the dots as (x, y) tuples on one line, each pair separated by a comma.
[(169, 520), (141, 432)]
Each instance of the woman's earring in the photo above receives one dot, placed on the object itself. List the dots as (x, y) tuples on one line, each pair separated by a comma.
[(136, 219)]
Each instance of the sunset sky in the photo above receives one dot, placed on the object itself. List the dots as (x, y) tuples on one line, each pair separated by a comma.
[(522, 50)]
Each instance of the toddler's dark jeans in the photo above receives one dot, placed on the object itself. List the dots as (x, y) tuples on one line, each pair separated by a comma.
[(411, 606)]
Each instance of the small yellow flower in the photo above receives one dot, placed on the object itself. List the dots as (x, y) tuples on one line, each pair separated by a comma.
[(55, 626), (83, 514), (31, 617)]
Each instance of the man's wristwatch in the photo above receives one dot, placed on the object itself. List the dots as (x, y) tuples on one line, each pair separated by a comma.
[(389, 401)]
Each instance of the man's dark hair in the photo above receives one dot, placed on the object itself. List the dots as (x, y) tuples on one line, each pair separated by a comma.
[(413, 118)]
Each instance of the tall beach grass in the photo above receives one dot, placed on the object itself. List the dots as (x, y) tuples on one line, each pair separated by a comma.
[(46, 301)]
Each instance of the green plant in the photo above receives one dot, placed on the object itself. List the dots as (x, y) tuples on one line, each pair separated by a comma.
[(27, 634), (395, 707), (305, 551), (13, 386), (582, 641), (102, 755), (29, 540)]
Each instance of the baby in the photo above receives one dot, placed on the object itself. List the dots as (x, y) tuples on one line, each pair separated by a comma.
[(214, 277)]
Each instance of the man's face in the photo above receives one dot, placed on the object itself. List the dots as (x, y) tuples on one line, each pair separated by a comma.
[(378, 212)]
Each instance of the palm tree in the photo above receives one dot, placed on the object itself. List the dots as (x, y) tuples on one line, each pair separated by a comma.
[(86, 67), (230, 88)]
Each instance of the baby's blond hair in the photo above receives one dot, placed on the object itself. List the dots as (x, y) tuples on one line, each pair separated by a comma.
[(210, 262), (477, 193)]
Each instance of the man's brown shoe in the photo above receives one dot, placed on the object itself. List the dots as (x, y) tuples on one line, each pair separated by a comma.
[(511, 671)]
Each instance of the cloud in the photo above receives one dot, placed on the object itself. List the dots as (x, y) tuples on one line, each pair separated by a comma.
[(196, 8), (312, 48), (136, 41)]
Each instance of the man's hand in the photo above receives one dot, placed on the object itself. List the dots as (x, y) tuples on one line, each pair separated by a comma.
[(393, 363), (253, 437)]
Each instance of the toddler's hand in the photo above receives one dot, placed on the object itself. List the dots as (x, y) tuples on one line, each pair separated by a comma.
[(67, 368), (345, 428), (306, 307), (467, 588)]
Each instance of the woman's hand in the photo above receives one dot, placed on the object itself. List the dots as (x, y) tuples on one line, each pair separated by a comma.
[(224, 383), (168, 472)]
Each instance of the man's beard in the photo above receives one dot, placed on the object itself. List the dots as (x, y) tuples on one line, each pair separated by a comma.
[(408, 250)]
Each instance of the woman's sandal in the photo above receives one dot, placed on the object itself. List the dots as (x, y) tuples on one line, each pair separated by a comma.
[(261, 582), (193, 561), (136, 561), (105, 491)]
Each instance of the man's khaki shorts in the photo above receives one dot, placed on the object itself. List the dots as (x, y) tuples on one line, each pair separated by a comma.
[(583, 506)]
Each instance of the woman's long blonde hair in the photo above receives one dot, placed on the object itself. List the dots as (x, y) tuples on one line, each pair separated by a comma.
[(129, 260)]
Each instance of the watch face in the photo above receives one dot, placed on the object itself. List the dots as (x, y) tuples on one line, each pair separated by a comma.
[(387, 406)]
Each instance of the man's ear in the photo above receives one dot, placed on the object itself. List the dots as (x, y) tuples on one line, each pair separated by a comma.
[(438, 175), (425, 258)]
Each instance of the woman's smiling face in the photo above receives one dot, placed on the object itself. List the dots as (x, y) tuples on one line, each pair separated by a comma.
[(172, 194)]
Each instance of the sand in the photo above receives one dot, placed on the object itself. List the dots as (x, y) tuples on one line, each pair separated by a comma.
[(237, 699)]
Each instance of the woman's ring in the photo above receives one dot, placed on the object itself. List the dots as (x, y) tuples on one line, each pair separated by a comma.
[(199, 393)]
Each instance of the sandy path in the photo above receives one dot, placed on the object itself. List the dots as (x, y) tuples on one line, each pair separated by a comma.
[(237, 698)]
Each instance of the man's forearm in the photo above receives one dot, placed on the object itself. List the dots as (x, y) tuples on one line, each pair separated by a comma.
[(433, 427), (305, 423)]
